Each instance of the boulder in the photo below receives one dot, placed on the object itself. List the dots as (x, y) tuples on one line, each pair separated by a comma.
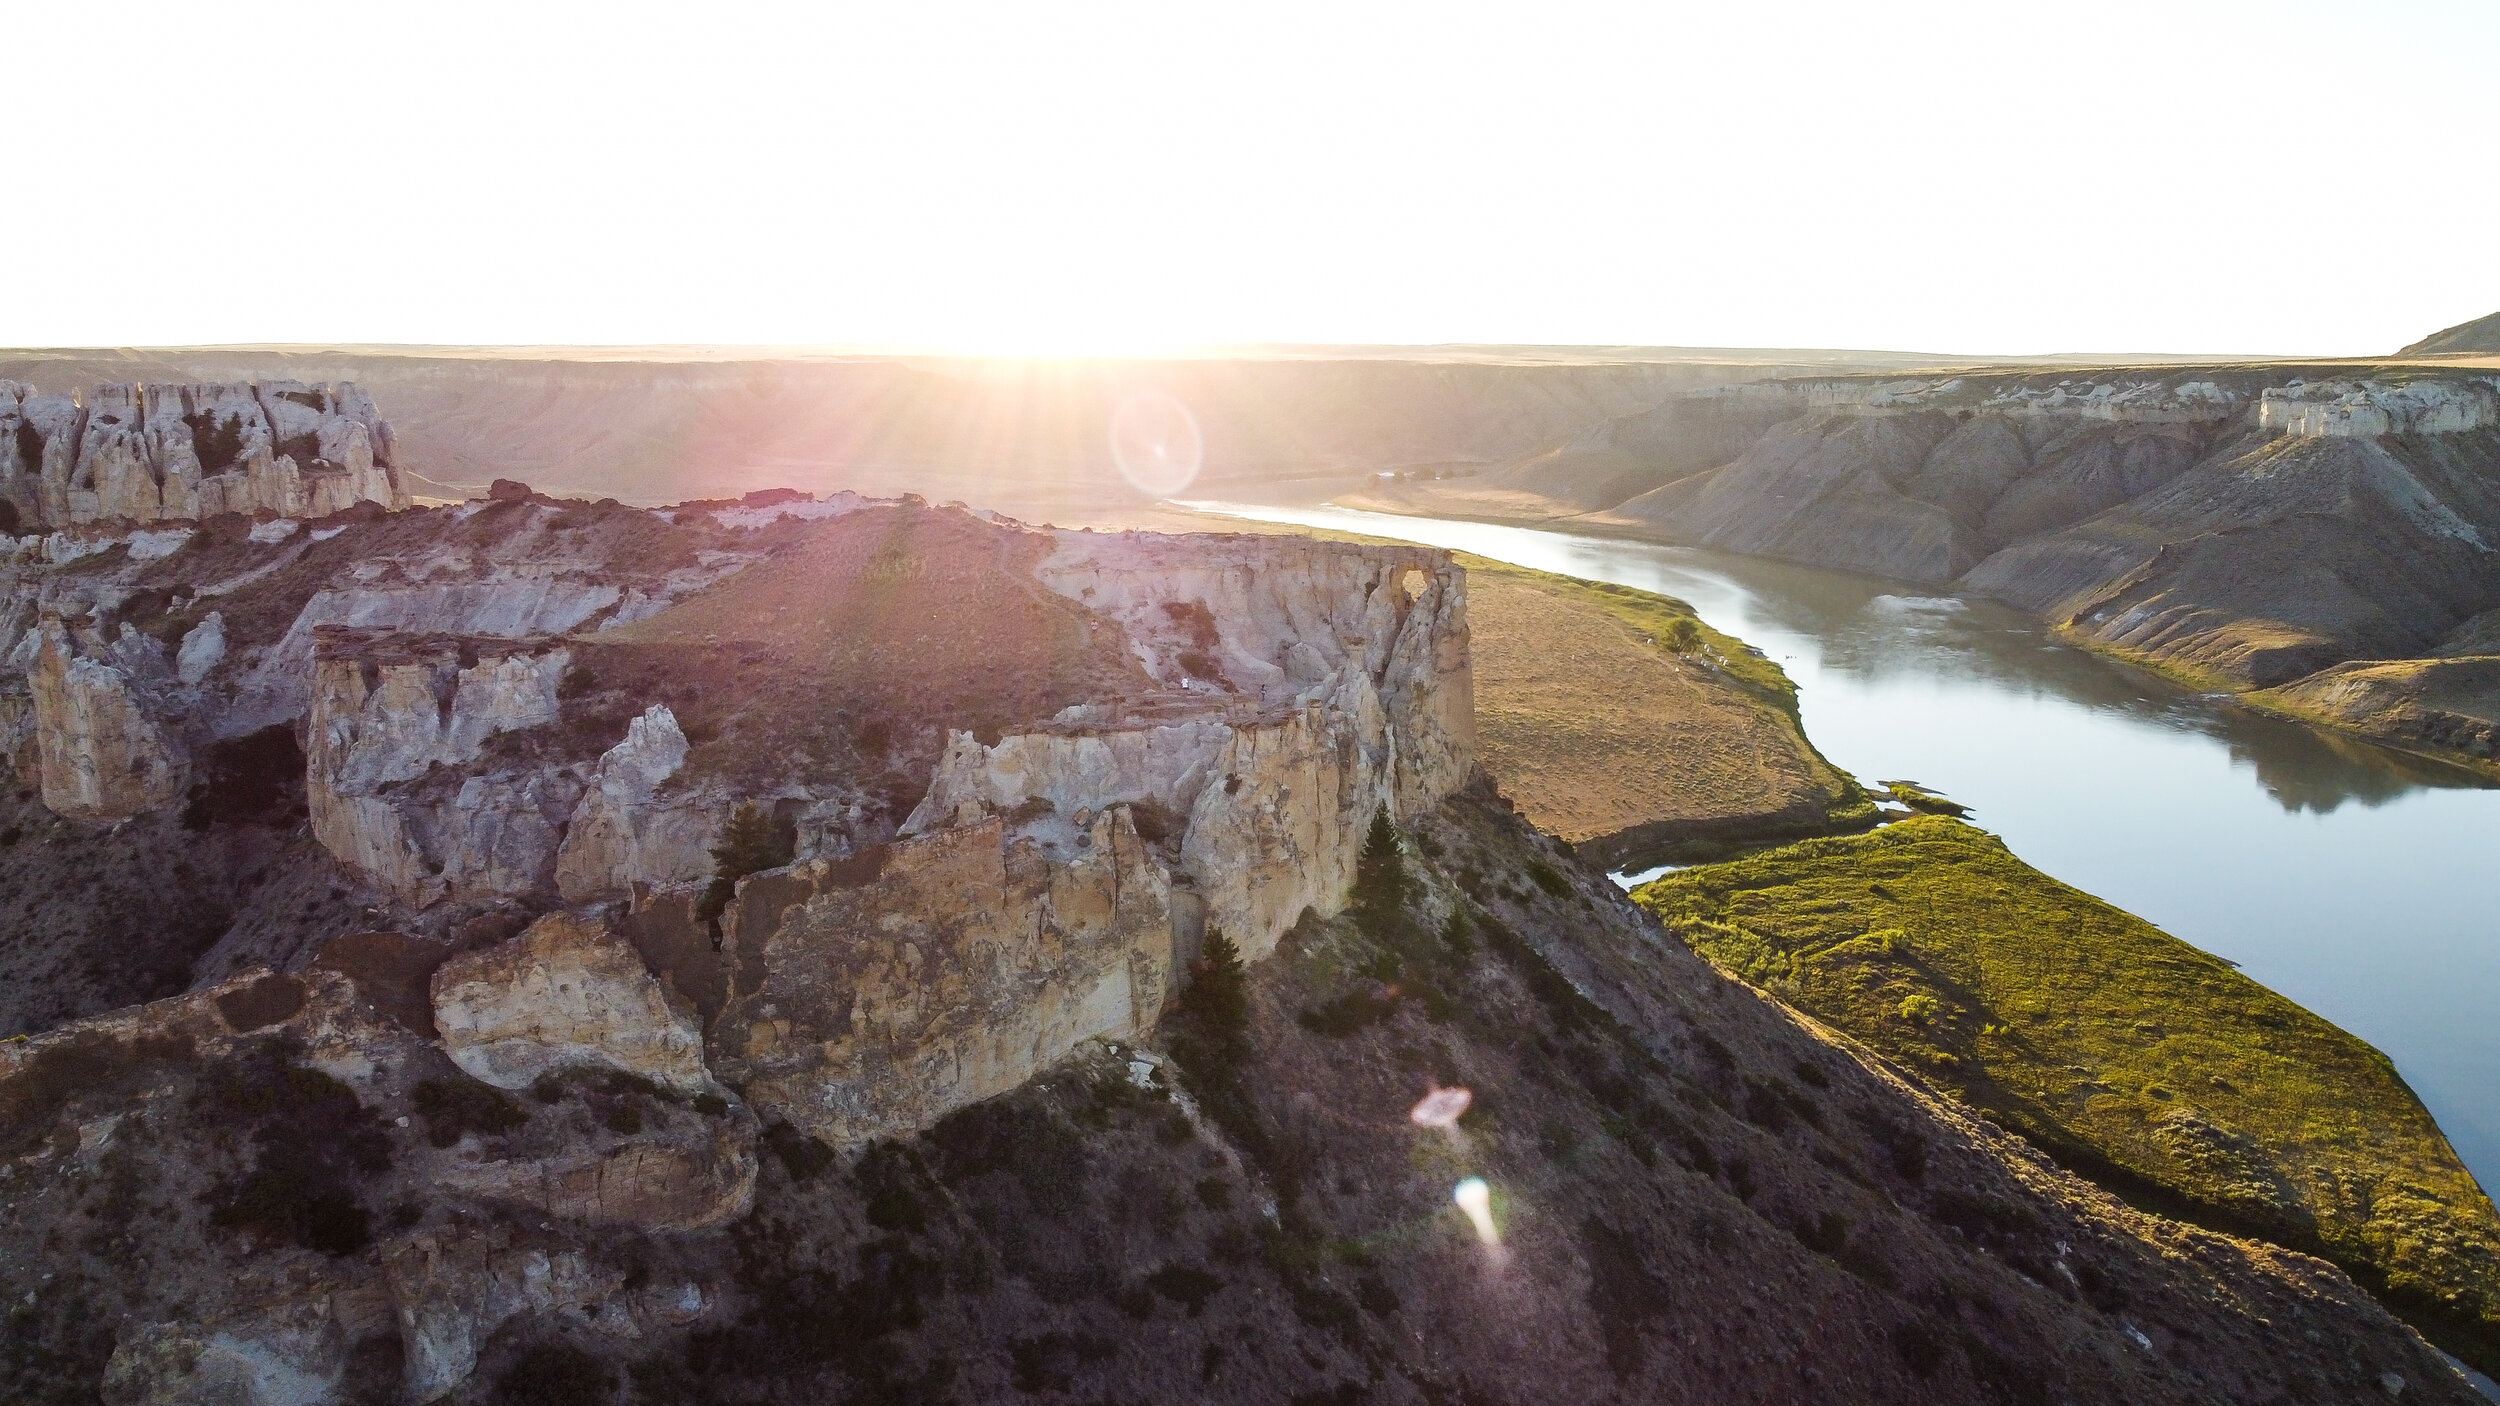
[(564, 994), (290, 1353), (202, 649)]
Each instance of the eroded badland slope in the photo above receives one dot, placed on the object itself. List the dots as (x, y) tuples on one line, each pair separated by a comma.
[(783, 951), (2245, 527)]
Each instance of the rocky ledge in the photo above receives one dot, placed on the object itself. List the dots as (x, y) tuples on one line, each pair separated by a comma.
[(139, 454)]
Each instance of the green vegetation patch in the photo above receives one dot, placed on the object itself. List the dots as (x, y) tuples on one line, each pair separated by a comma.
[(2132, 1057)]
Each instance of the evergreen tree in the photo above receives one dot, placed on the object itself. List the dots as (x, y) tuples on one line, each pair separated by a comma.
[(1219, 988), (1380, 890), (748, 845)]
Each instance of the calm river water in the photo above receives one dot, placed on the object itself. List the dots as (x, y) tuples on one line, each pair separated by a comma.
[(2356, 880)]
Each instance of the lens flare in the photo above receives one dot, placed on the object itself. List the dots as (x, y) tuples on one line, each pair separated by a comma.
[(1442, 1108), (1476, 1199), (1155, 442)]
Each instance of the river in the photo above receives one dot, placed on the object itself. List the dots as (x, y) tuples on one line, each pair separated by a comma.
[(2351, 878)]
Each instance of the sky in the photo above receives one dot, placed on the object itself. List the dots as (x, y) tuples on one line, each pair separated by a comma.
[(2279, 178)]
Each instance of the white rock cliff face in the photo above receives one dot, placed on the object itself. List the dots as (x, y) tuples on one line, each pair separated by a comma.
[(2368, 410), (870, 997), (1357, 660), (384, 713), (565, 994), (99, 754), (1022, 914), (130, 453), (619, 836)]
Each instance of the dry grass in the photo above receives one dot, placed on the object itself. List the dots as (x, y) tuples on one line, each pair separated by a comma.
[(1595, 728)]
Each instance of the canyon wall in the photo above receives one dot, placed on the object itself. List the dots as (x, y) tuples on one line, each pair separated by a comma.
[(2247, 528), (101, 752), (137, 454)]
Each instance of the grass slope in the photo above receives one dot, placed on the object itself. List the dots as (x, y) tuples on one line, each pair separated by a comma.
[(1698, 747), (2128, 1054)]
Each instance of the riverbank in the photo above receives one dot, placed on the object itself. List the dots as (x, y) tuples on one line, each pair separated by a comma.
[(1696, 750), (2130, 1057), (1699, 752), (2398, 711)]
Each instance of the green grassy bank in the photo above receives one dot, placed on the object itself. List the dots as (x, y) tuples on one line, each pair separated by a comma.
[(2128, 1055)]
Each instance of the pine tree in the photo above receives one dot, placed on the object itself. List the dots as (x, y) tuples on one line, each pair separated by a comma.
[(748, 845), (1380, 878), (1219, 988)]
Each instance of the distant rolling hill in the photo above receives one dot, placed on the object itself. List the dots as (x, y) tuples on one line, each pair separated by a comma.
[(2482, 335)]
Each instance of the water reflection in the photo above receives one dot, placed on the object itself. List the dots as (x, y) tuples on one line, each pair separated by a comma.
[(2349, 877)]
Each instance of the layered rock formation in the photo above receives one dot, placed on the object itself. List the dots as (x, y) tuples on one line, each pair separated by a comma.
[(867, 998), (2243, 526), (2369, 410), (564, 995), (388, 710), (100, 753), (619, 836), (136, 454)]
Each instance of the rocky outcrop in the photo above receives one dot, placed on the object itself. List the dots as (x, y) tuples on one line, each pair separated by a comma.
[(869, 997), (676, 1184), (387, 711), (1286, 621), (131, 453), (565, 994), (2369, 409), (100, 755), (520, 607), (451, 1293), (1165, 764), (289, 1353), (619, 835), (1338, 681), (2442, 705)]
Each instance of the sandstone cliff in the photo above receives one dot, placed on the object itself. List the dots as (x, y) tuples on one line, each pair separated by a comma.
[(868, 998), (100, 755), (388, 711), (128, 453)]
